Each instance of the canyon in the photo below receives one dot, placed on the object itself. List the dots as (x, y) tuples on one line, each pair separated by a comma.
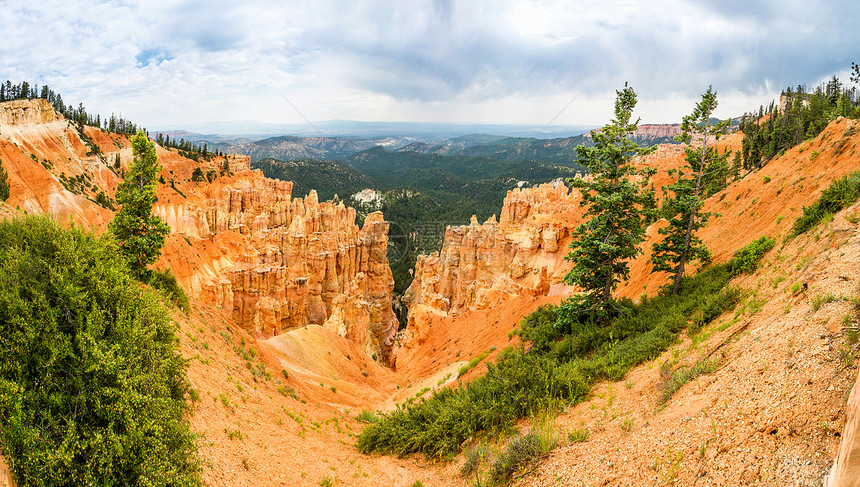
[(297, 282)]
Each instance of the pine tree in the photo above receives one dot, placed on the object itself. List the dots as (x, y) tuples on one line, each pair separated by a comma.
[(140, 233), (681, 244), (614, 197), (4, 184)]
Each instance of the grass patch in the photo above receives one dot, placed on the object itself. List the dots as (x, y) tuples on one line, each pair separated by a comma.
[(821, 299), (366, 416), (474, 362), (674, 380), (578, 435), (522, 451), (843, 192)]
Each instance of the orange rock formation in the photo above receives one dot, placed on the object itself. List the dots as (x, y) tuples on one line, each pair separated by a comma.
[(240, 242), (484, 265)]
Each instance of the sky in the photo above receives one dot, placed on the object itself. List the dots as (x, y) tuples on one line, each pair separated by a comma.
[(166, 63)]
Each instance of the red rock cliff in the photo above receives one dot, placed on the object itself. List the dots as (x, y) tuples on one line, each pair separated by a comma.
[(484, 265), (239, 241)]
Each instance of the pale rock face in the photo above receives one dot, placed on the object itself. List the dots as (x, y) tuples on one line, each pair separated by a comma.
[(27, 112), (484, 265)]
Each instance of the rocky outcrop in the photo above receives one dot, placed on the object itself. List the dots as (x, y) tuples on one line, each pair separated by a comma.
[(483, 265), (280, 263), (653, 132), (27, 112)]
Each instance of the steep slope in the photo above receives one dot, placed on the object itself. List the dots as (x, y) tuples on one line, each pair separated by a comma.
[(778, 400), (771, 414)]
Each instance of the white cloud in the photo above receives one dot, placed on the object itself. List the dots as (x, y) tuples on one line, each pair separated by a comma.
[(484, 60)]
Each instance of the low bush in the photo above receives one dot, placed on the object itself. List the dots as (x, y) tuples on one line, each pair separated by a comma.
[(92, 388), (673, 381), (521, 451), (841, 193), (165, 281), (746, 261)]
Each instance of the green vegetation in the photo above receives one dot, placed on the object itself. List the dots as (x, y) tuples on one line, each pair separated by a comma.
[(4, 183), (577, 435), (187, 149), (684, 208), (140, 233), (802, 116), (474, 362), (614, 221), (746, 261), (521, 451), (327, 178), (92, 388), (843, 192), (673, 381), (165, 281), (566, 350)]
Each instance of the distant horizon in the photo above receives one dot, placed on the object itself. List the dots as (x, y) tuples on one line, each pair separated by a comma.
[(361, 128), (535, 62)]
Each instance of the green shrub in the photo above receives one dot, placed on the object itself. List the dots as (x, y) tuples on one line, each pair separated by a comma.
[(165, 281), (475, 458), (4, 184), (841, 193), (366, 416), (675, 380), (92, 389), (521, 451), (746, 261), (578, 435), (474, 362)]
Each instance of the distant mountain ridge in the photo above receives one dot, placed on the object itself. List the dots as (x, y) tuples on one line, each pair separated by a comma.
[(505, 148), (560, 151)]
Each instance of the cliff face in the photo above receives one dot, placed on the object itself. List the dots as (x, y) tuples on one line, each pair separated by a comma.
[(27, 112), (240, 241), (280, 263), (483, 265)]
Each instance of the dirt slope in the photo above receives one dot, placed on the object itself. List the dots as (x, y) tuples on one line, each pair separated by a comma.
[(770, 415)]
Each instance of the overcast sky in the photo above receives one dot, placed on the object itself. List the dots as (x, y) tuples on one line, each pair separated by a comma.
[(164, 62)]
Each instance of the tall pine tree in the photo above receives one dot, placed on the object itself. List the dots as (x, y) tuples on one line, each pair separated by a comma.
[(681, 245), (614, 196), (140, 233)]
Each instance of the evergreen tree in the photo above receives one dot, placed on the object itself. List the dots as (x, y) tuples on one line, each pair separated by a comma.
[(4, 184), (140, 233), (614, 197), (681, 244)]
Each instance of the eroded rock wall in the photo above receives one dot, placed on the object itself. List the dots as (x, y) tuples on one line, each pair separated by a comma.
[(484, 265), (280, 263), (238, 240)]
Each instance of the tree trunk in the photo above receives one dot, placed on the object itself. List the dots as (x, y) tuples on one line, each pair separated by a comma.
[(679, 272)]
